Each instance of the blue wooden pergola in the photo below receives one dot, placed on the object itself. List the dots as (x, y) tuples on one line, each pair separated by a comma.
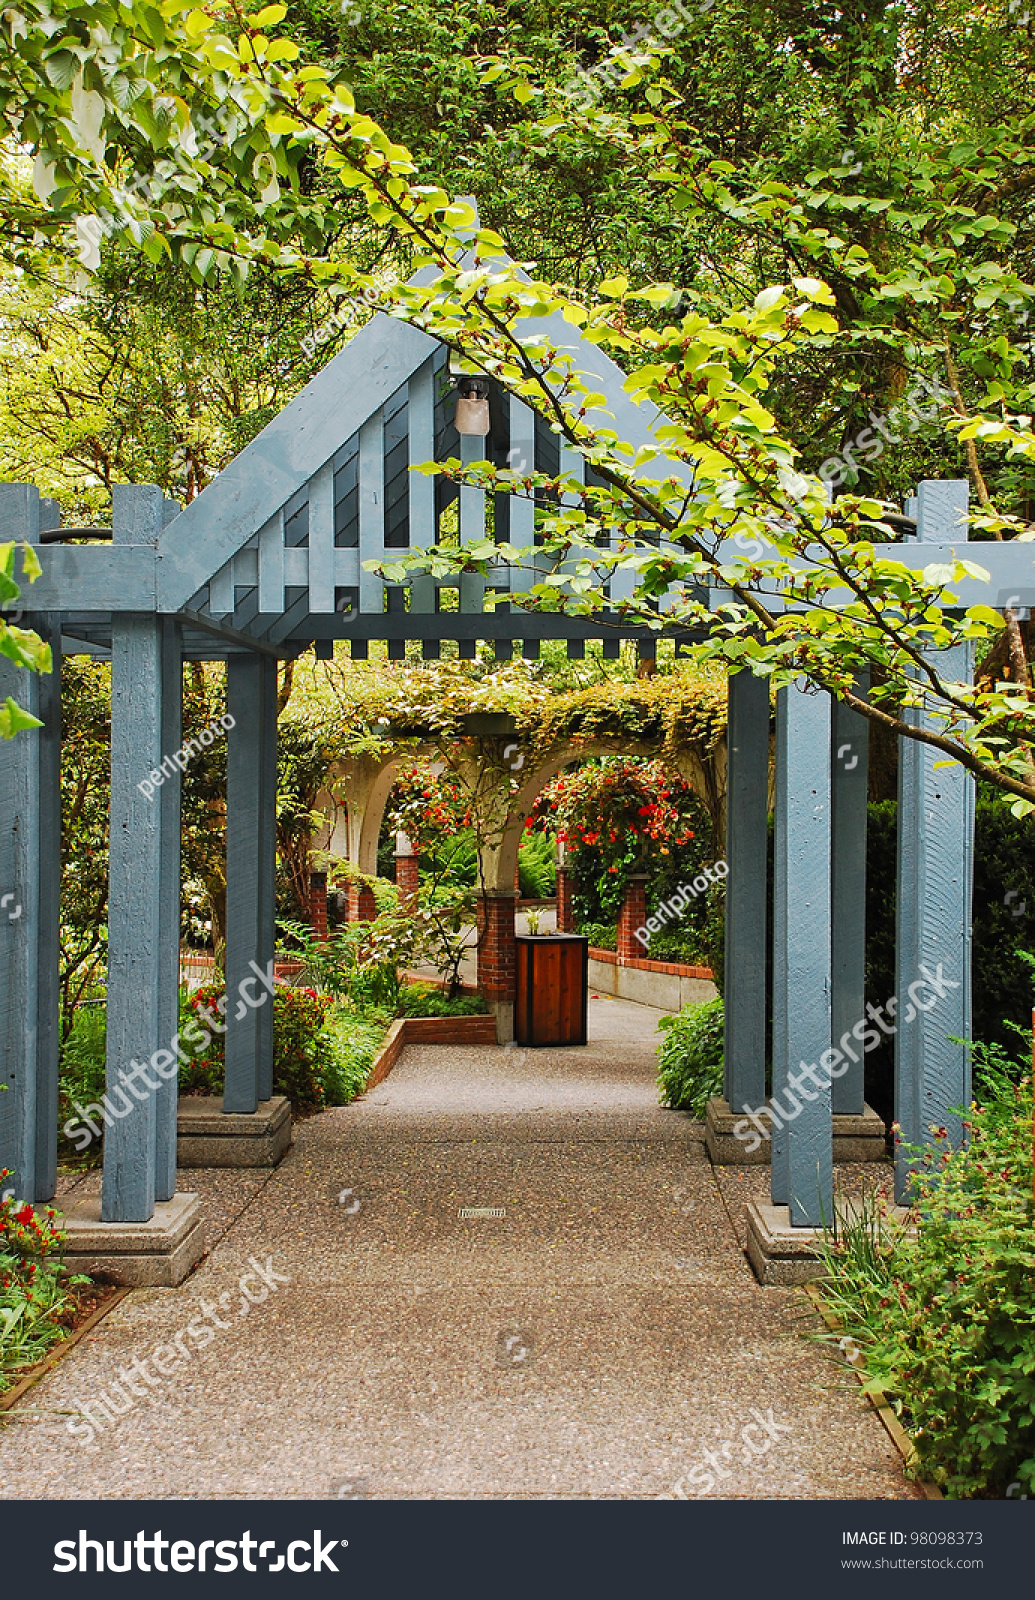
[(268, 561)]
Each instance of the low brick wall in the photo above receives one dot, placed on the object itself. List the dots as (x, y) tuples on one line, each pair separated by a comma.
[(667, 985), (428, 1030)]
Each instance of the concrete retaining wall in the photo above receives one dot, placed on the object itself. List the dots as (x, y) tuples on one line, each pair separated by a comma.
[(664, 984)]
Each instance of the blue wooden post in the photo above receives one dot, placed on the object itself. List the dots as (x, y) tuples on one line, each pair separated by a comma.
[(169, 797), (933, 905), (779, 1177), (139, 1062), (802, 1171), (244, 878), (30, 853), (747, 804), (48, 991), (850, 773), (267, 854)]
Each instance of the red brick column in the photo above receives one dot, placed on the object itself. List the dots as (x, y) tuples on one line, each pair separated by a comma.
[(497, 957), (361, 903), (407, 876), (633, 915), (517, 880), (565, 917), (318, 905)]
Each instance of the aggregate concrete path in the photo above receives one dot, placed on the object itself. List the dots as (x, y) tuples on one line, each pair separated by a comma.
[(596, 1341)]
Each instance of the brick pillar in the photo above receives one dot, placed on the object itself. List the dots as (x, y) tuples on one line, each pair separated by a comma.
[(565, 917), (517, 881), (318, 905), (497, 960), (633, 915), (361, 903), (407, 875)]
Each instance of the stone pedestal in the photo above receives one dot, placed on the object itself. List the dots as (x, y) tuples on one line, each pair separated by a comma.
[(155, 1254), (858, 1136), (208, 1136), (783, 1256)]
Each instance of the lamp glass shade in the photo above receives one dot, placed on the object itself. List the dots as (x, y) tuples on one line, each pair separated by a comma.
[(472, 416)]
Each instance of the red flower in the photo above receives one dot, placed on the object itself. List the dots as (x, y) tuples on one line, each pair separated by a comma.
[(23, 1215)]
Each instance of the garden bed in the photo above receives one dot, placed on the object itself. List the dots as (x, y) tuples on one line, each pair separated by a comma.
[(92, 1304)]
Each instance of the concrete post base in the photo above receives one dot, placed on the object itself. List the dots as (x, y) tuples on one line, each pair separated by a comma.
[(155, 1254), (503, 1011), (783, 1256), (208, 1136), (858, 1136)]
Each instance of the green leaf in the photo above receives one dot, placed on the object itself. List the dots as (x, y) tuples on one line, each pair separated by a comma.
[(30, 563), (15, 719)]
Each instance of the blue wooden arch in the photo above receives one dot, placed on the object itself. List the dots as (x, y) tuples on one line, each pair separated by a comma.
[(268, 561)]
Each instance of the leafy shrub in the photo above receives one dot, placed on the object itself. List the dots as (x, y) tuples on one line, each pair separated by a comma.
[(357, 1036), (947, 1322), (307, 1063), (82, 1071), (619, 815), (683, 945), (537, 866), (691, 1057), (33, 1297), (1003, 928), (603, 935), (421, 1000), (340, 965)]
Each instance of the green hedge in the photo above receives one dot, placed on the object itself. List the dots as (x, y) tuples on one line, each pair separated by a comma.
[(946, 1322), (1003, 929), (690, 1057), (425, 1000)]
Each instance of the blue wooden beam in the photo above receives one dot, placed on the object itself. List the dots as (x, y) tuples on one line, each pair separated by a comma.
[(803, 1157), (266, 851), (779, 1176), (48, 996), (168, 798), (139, 1062), (933, 904), (244, 880), (747, 810), (286, 454), (849, 780), (29, 865)]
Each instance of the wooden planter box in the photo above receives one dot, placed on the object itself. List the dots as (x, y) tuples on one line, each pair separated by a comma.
[(552, 989)]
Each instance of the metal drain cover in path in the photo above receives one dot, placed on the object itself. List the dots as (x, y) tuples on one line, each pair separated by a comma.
[(481, 1211)]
